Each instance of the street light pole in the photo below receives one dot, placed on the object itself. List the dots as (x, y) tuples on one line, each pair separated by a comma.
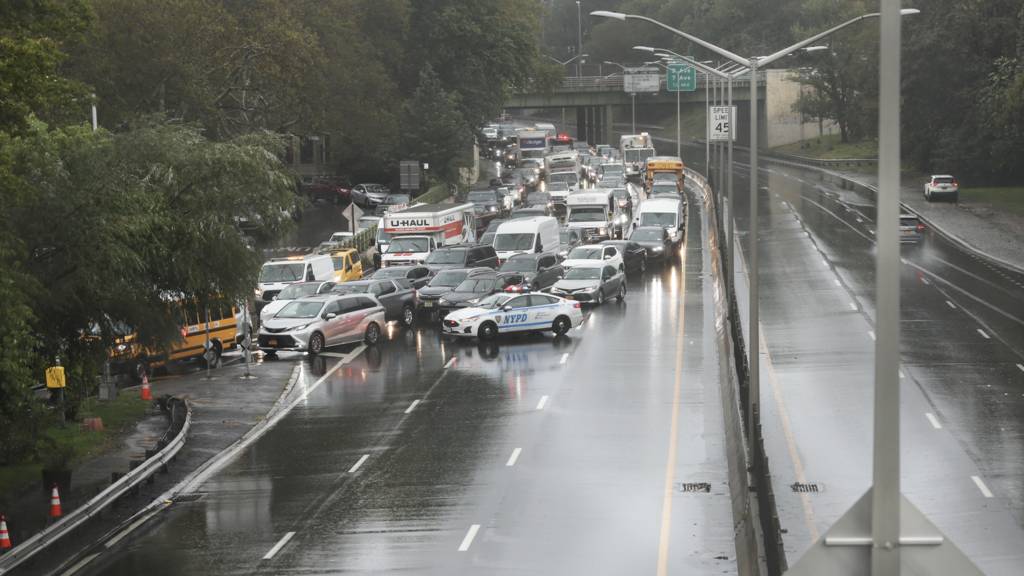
[(579, 36)]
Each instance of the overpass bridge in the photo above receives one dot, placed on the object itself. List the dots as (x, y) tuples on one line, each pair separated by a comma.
[(603, 110)]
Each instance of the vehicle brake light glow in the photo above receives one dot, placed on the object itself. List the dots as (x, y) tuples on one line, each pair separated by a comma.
[(920, 227)]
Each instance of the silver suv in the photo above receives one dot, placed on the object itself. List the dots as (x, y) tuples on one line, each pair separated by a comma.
[(317, 322)]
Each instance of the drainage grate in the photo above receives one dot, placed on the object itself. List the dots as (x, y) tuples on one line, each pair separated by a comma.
[(808, 488), (188, 497), (693, 487)]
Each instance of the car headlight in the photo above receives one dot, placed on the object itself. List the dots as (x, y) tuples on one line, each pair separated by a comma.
[(256, 292), (122, 347), (493, 209), (659, 249), (442, 301), (602, 230), (473, 301), (300, 328)]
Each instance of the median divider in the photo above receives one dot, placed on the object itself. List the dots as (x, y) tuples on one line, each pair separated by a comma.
[(179, 412)]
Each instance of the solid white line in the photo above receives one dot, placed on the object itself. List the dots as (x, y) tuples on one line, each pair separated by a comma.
[(451, 362), (902, 375), (872, 334), (983, 335), (1020, 367), (81, 564), (277, 547), (836, 280), (981, 486), (113, 541), (564, 358), (950, 304), (358, 463), (853, 306), (468, 540), (925, 281), (935, 421), (412, 406), (543, 402), (515, 456)]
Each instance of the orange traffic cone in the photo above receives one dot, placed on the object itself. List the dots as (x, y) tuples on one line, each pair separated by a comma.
[(5, 538), (55, 511), (146, 393)]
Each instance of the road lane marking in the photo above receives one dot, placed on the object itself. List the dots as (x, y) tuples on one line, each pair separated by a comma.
[(981, 486), (450, 362), (935, 421), (1020, 367), (81, 564), (925, 281), (950, 304), (468, 540), (872, 334), (902, 375), (543, 402), (515, 456), (358, 463), (673, 439), (565, 357), (412, 406), (853, 306), (277, 547), (983, 334)]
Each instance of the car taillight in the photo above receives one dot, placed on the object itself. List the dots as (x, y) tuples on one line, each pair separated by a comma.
[(920, 227), (955, 183), (577, 305)]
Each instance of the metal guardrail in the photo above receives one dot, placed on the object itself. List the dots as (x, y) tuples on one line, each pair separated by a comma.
[(29, 548), (825, 162)]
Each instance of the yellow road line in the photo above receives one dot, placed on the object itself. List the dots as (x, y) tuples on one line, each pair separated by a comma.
[(670, 466)]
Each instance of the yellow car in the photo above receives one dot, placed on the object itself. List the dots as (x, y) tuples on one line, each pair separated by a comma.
[(347, 265)]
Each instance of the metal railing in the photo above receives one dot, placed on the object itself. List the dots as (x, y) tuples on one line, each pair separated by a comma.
[(29, 548), (615, 83)]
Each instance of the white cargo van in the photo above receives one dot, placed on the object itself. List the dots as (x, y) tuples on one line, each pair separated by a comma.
[(669, 213), (278, 273), (526, 236)]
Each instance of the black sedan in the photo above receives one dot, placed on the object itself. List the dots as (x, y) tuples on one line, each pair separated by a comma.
[(473, 288), (654, 240), (444, 282), (418, 276), (634, 256)]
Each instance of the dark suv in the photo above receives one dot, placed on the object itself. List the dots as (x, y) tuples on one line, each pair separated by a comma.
[(397, 296), (444, 282), (540, 271), (469, 256)]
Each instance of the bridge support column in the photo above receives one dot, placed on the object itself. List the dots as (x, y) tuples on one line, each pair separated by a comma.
[(608, 134)]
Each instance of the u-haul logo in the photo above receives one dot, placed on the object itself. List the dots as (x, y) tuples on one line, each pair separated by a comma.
[(410, 223)]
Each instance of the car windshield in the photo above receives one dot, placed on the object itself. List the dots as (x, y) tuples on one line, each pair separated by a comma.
[(476, 285), (648, 235), (351, 288), (664, 189), (507, 242), (638, 154), (611, 169), (553, 186), (446, 257), (390, 273), (298, 291), (409, 245), (658, 219), (620, 193), (481, 196), (494, 300), (588, 214), (665, 177), (583, 274), (300, 309), (519, 265), (585, 253), (538, 198), (526, 213), (397, 199), (487, 239), (567, 177), (282, 272), (908, 221), (340, 236), (448, 278), (566, 236), (944, 180)]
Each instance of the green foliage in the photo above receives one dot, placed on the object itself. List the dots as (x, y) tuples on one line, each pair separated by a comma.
[(434, 130)]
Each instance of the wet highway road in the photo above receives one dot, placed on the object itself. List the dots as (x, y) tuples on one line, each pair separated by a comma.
[(962, 344), (529, 456)]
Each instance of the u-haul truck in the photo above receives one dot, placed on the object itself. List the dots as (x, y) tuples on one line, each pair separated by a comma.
[(417, 231)]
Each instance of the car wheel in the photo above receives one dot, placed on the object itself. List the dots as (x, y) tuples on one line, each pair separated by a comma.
[(622, 292), (372, 335), (316, 343), (408, 316), (561, 326), (643, 265), (487, 331), (600, 296)]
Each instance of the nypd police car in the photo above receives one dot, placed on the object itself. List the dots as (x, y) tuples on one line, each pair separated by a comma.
[(501, 313)]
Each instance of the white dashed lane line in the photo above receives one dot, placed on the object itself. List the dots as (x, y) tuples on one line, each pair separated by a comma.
[(853, 306), (277, 547), (935, 421), (515, 456), (925, 281), (450, 362), (468, 540), (983, 334), (981, 486), (871, 333), (412, 406), (358, 463), (1020, 367), (543, 402), (950, 304), (565, 357)]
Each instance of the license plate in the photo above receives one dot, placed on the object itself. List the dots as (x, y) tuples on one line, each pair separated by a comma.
[(906, 232), (428, 304), (272, 342)]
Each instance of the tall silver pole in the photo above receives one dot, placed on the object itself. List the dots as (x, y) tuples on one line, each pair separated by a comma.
[(721, 151), (679, 129), (728, 197), (885, 502), (707, 124), (95, 124), (754, 389), (579, 38), (634, 111)]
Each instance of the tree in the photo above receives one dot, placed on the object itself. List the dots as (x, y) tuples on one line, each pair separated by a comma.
[(434, 130)]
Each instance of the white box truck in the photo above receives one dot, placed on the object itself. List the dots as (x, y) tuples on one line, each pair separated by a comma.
[(415, 232), (531, 144), (669, 213), (526, 236), (595, 215)]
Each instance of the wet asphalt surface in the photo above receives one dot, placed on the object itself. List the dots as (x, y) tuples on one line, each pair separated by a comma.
[(530, 455), (962, 331)]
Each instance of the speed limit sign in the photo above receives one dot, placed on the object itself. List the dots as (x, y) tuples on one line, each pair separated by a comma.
[(720, 123)]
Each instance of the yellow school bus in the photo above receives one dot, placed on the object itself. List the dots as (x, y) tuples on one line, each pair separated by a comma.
[(665, 164), (130, 357)]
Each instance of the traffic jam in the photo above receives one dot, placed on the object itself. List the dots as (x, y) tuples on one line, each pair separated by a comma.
[(564, 228)]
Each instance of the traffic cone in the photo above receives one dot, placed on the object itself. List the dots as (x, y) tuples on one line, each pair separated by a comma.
[(55, 511), (5, 538), (146, 393)]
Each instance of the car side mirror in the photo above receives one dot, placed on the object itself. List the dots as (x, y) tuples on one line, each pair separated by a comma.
[(607, 256), (505, 308), (330, 316)]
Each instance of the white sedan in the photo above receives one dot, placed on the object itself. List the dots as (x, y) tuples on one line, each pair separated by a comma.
[(501, 313), (590, 253)]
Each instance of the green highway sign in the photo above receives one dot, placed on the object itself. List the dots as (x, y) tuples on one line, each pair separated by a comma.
[(681, 78)]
